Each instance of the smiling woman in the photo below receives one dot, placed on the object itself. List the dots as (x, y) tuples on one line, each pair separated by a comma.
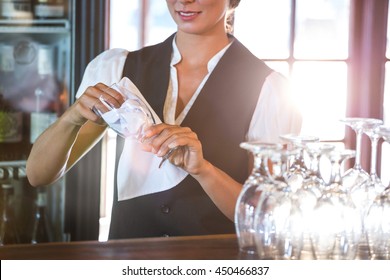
[(318, 66), (194, 65)]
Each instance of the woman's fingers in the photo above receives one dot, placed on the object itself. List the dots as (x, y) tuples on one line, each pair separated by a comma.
[(180, 145), (163, 137), (97, 100)]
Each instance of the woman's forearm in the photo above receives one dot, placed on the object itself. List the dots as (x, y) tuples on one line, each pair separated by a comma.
[(49, 154), (220, 187)]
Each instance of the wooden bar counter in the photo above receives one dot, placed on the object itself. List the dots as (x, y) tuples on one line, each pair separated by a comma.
[(209, 247)]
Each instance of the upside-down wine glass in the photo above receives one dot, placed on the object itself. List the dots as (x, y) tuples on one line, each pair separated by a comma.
[(278, 218), (128, 119), (357, 175), (364, 194), (310, 191), (377, 220), (335, 221), (258, 181)]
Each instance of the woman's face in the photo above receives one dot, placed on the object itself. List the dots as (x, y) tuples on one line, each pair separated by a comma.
[(198, 16)]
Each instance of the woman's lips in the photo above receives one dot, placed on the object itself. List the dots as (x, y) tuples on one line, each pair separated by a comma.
[(186, 16)]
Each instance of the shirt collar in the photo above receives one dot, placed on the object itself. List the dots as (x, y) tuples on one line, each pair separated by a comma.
[(176, 56)]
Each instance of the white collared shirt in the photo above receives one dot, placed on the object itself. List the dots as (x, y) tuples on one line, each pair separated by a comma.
[(173, 91)]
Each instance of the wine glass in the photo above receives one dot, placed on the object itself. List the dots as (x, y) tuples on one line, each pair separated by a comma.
[(357, 175), (258, 181), (297, 170), (278, 219), (310, 191), (377, 220), (129, 118), (364, 194), (335, 222)]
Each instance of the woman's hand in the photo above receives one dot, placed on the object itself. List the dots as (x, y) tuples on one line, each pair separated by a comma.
[(161, 138), (82, 109), (222, 189)]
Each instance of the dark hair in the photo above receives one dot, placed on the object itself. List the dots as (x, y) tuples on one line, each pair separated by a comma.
[(234, 3), (230, 19)]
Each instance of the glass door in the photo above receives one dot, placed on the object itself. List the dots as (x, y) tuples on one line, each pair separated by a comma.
[(35, 75)]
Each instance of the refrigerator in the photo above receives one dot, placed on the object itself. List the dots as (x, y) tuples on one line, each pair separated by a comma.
[(45, 47)]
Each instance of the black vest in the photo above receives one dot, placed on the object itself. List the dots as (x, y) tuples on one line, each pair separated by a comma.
[(220, 117)]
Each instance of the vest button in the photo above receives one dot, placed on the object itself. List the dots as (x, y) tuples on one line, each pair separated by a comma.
[(165, 209)]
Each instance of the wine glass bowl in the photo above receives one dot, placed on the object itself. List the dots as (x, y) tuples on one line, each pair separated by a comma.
[(278, 224), (335, 222), (311, 190), (377, 227), (377, 220), (127, 120), (258, 181), (278, 219)]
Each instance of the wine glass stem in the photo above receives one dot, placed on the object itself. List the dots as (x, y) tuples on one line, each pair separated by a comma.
[(374, 147), (335, 176), (164, 158), (359, 134), (261, 165), (314, 165)]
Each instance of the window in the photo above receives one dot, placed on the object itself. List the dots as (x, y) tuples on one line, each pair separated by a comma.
[(137, 23), (307, 41), (333, 53)]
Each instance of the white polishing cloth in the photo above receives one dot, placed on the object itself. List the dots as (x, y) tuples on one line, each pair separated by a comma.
[(138, 171)]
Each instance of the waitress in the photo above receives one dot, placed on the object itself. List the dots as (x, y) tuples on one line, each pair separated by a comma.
[(210, 93)]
